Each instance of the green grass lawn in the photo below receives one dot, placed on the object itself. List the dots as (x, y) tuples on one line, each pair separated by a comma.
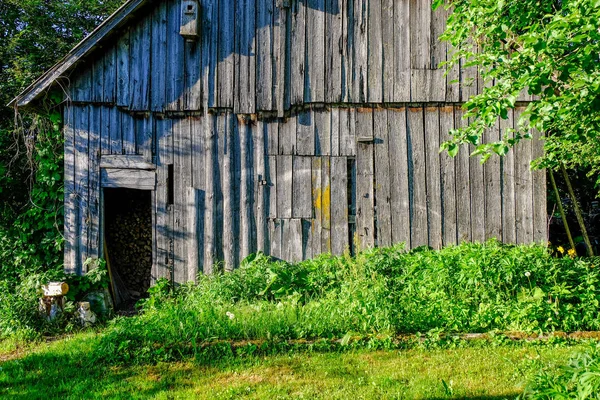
[(62, 369)]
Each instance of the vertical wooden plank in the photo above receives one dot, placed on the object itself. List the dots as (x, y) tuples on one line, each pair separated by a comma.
[(402, 52), (193, 258), (287, 135), (197, 153), (70, 198), (463, 185), (123, 92), (105, 130), (399, 176), (347, 132), (315, 51), (339, 207), (189, 201), (210, 251), (193, 76), (209, 42), (280, 59), (180, 264), (347, 45), (301, 188), (174, 61), (245, 77), (135, 65), (305, 139), (247, 227), (284, 186), (417, 177), (365, 190), (97, 80), (448, 171), (260, 137), (273, 137), (271, 173), (140, 65), (360, 51), (493, 189), (322, 122), (420, 34), (375, 53), (276, 241), (388, 57), (128, 133), (264, 60), (163, 213), (226, 49), (509, 233), (325, 204), (333, 51), (523, 187), (110, 75), (298, 51), (434, 190), (116, 138), (292, 240), (383, 196), (82, 183), (540, 214), (143, 137), (94, 152), (478, 193), (228, 185), (317, 206), (158, 73), (335, 131)]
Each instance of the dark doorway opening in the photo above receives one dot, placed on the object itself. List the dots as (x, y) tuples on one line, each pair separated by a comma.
[(128, 235)]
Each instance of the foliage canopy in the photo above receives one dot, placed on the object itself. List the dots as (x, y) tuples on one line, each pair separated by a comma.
[(548, 48)]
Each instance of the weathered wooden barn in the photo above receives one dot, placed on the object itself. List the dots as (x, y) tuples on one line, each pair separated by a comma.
[(292, 127)]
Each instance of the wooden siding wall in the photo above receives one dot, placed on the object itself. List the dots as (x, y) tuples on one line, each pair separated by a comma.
[(260, 56), (295, 187)]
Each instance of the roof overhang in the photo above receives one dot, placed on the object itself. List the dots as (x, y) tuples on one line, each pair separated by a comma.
[(117, 20)]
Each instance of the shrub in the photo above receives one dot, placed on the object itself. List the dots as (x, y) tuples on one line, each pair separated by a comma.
[(466, 288)]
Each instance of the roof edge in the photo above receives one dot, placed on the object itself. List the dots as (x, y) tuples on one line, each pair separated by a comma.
[(82, 49)]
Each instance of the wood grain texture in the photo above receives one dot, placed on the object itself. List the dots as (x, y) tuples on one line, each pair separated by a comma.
[(399, 176), (417, 177), (449, 179), (382, 178), (365, 190), (433, 173), (339, 207)]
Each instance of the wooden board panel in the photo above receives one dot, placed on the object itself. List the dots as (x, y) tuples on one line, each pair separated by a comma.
[(297, 48), (123, 90), (399, 176), (287, 135), (420, 34), (301, 199), (271, 191), (434, 189), (128, 133), (284, 186), (198, 153), (264, 60), (493, 189), (193, 76), (388, 57), (226, 48), (339, 207), (383, 196), (82, 119), (260, 186), (139, 59), (209, 38), (317, 207), (322, 122), (110, 75), (463, 185), (158, 73), (247, 182), (346, 48), (417, 177), (245, 58), (228, 187), (314, 91), (192, 237), (360, 51), (540, 214), (97, 86), (70, 224), (126, 162), (305, 139), (143, 137), (174, 60), (523, 188), (375, 52), (129, 179), (347, 132), (334, 114), (448, 172), (116, 136), (105, 130), (164, 230), (333, 51), (402, 63), (509, 234), (210, 137), (94, 153), (325, 204), (477, 182), (365, 191), (276, 241)]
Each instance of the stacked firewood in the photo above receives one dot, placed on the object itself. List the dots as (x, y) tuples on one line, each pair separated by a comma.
[(129, 239)]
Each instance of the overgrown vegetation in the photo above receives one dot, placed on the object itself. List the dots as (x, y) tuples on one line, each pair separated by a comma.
[(380, 293)]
